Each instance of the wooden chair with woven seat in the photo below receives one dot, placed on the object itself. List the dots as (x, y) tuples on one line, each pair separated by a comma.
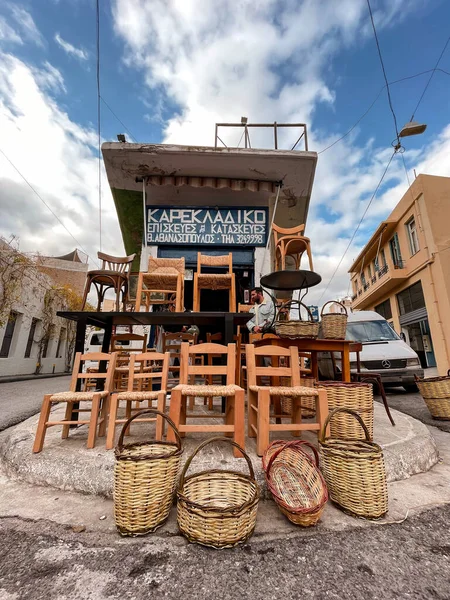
[(260, 396), (290, 242), (164, 279), (212, 338), (215, 281), (98, 399), (115, 274), (235, 407), (141, 380), (122, 344)]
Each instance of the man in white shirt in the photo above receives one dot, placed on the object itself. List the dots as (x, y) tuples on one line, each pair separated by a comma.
[(263, 311)]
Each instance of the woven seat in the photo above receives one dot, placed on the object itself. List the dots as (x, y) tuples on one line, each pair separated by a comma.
[(290, 392), (215, 281), (139, 396), (163, 283), (205, 391), (77, 396), (114, 274)]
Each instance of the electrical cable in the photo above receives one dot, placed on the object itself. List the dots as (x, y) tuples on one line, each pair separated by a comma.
[(359, 225), (99, 125), (120, 121), (47, 206)]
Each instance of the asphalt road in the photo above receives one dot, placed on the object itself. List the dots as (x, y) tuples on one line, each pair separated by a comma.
[(22, 399), (401, 561), (414, 405)]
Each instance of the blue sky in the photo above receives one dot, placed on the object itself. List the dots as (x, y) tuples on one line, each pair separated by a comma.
[(171, 68)]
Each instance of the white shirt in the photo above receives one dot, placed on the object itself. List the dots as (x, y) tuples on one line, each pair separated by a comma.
[(263, 315)]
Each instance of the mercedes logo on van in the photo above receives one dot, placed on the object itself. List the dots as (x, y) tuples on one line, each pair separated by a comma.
[(386, 364)]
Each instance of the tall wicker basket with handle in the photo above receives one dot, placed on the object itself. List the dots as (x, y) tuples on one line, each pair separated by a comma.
[(334, 325), (354, 471), (145, 476), (297, 329), (217, 508), (436, 394)]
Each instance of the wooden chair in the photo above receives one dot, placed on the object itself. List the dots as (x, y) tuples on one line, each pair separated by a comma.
[(290, 242), (164, 279), (141, 380), (124, 351), (115, 273), (171, 343), (260, 396), (235, 409), (98, 399), (215, 281), (212, 338)]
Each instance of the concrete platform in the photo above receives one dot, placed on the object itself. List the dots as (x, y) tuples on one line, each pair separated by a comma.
[(409, 448)]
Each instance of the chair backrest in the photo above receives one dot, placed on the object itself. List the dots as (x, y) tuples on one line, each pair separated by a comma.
[(213, 337), (117, 344), (214, 261), (280, 232), (148, 368), (244, 308), (166, 266), (228, 369), (171, 342), (277, 354), (119, 264), (102, 358)]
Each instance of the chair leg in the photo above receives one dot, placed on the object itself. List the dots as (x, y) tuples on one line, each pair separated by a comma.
[(263, 436), (87, 287), (296, 416), (230, 415), (179, 300), (104, 412), (137, 306), (67, 417), (252, 414), (308, 250), (239, 421), (232, 294), (112, 422), (196, 301), (174, 414), (322, 409), (95, 409), (161, 406), (42, 424)]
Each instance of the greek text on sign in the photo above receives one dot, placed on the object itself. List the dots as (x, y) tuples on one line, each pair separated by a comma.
[(206, 226)]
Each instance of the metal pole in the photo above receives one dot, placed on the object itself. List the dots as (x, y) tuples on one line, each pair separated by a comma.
[(275, 135), (144, 206), (270, 231), (215, 140)]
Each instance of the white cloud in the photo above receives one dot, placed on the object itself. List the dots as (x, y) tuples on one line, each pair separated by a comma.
[(70, 49), (7, 33), (26, 24), (59, 159)]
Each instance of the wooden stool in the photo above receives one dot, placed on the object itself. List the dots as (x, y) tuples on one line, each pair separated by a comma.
[(215, 281)]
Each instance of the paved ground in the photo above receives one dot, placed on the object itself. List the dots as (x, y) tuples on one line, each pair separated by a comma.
[(414, 405), (400, 561), (22, 399)]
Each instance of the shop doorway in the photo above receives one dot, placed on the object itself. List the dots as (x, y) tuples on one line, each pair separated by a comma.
[(418, 336)]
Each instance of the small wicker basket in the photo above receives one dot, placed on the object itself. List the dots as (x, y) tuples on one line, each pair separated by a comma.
[(354, 471), (355, 396), (217, 508), (334, 325), (294, 479), (145, 476), (297, 329), (436, 394)]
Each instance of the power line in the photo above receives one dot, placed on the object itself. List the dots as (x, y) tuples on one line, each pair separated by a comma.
[(120, 121), (384, 71), (99, 124), (431, 77), (359, 224), (46, 205)]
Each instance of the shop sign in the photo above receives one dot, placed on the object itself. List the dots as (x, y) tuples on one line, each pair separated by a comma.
[(207, 226)]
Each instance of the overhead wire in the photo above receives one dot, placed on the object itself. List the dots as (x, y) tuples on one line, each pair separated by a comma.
[(99, 124), (120, 121)]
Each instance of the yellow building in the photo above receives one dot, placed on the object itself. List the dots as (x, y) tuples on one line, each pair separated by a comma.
[(403, 272)]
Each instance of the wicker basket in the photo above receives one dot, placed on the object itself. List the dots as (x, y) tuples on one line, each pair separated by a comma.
[(217, 508), (307, 403), (436, 394), (355, 396), (354, 471), (334, 325), (294, 479), (297, 329), (145, 476)]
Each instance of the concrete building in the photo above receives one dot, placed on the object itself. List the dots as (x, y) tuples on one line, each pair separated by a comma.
[(214, 200), (32, 338), (403, 272)]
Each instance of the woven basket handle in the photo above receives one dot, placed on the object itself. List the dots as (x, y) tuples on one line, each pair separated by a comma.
[(350, 412), (334, 302), (210, 441), (293, 444), (151, 411)]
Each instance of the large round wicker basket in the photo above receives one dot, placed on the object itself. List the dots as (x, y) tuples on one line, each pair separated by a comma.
[(145, 476), (297, 329), (294, 479), (354, 471), (436, 394), (355, 396), (217, 508), (334, 325)]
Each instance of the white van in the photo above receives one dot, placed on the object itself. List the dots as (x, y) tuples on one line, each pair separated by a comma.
[(94, 341), (383, 352)]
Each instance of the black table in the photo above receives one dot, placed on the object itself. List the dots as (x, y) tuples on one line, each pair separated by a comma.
[(290, 280)]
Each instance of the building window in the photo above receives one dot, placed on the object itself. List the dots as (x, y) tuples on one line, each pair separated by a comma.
[(384, 309), (375, 266), (383, 257), (30, 341), (9, 332), (411, 299), (396, 255), (412, 236), (62, 337)]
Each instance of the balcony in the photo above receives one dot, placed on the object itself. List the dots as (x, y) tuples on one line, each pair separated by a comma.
[(387, 278)]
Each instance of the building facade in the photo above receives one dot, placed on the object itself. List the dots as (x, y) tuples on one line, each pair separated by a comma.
[(403, 272)]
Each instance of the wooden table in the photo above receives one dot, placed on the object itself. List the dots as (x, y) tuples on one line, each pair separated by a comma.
[(317, 345)]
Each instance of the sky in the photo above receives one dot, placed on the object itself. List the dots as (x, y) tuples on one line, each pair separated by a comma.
[(171, 69)]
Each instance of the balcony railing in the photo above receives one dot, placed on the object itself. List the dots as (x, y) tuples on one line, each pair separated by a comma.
[(374, 279), (354, 296), (399, 264), (366, 286), (383, 271)]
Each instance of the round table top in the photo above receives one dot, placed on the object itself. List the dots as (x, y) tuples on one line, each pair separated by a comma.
[(290, 280)]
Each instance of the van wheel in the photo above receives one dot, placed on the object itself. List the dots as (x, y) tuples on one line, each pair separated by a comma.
[(411, 388)]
